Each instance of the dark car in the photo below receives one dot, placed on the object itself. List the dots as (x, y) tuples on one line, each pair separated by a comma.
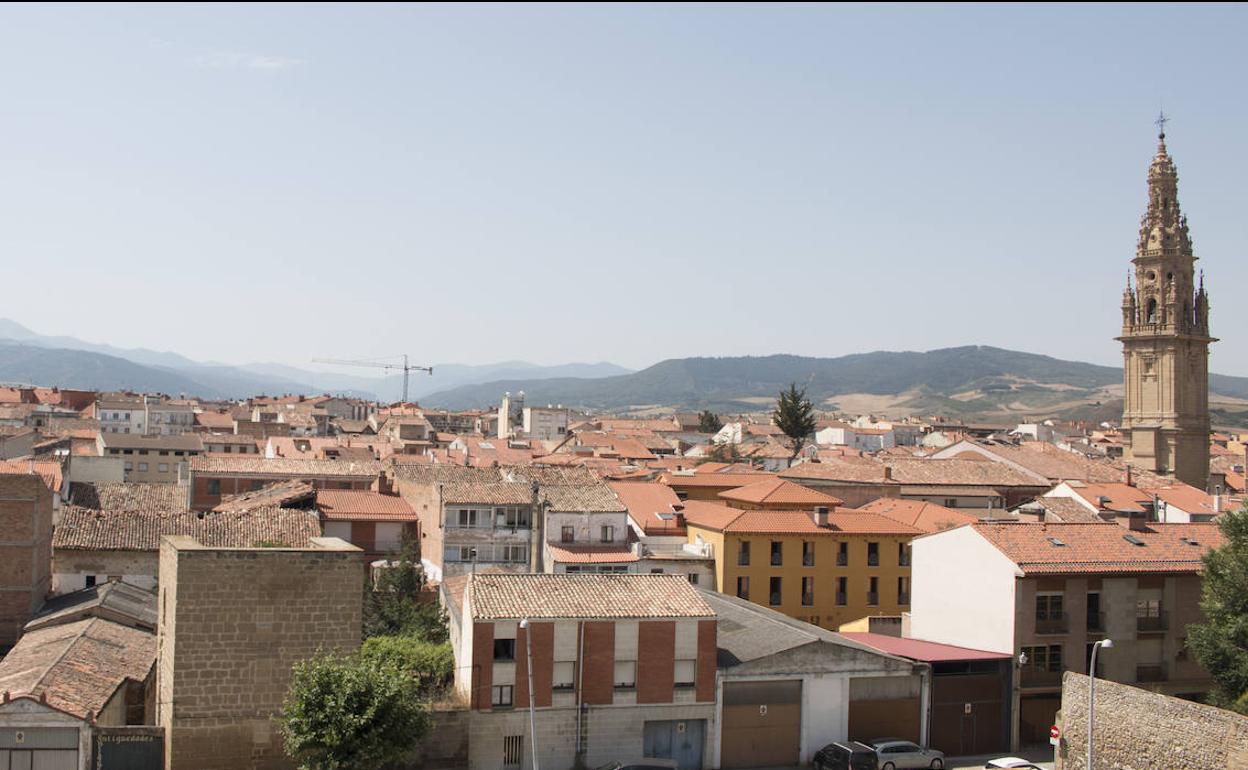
[(846, 755)]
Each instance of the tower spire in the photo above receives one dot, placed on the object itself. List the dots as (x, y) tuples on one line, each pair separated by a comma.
[(1161, 122)]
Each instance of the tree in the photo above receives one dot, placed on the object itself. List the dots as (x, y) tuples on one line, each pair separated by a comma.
[(352, 713), (794, 415), (1221, 643), (709, 422), (431, 665), (723, 453), (395, 604)]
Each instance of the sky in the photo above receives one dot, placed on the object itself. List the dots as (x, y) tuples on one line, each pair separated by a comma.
[(621, 183)]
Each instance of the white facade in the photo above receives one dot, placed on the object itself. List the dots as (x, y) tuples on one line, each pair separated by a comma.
[(548, 424), (121, 417), (962, 591)]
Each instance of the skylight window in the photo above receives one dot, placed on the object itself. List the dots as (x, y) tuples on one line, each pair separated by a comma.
[(1056, 542), (1133, 540)]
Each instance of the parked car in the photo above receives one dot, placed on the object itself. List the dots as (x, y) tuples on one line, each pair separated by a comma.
[(649, 763), (846, 755), (896, 754), (1014, 763)]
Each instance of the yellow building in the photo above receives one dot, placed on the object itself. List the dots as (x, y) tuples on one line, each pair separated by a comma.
[(824, 566)]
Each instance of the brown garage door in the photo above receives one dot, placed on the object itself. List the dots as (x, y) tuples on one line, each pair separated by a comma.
[(762, 724)]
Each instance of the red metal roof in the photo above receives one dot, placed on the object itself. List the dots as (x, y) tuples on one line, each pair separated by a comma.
[(917, 649)]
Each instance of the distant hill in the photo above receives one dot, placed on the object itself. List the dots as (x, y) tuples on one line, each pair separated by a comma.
[(963, 381)]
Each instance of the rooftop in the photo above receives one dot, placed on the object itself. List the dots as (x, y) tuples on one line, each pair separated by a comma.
[(718, 517), (113, 530), (928, 517), (917, 649), (776, 491), (253, 465), (1105, 548), (351, 505), (499, 596)]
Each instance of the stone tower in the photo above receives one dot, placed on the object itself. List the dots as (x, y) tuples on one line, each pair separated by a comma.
[(1165, 339)]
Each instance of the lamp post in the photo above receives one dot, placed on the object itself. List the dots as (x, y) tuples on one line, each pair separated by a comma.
[(1096, 646), (528, 651)]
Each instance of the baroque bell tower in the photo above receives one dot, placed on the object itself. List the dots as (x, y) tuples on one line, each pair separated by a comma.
[(1165, 339)]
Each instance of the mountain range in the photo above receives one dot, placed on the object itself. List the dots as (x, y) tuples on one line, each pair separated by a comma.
[(29, 357)]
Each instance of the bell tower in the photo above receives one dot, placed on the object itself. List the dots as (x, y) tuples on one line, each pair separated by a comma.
[(1165, 338)]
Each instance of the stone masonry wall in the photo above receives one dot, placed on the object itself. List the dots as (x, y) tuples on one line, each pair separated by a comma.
[(232, 624), (1141, 730)]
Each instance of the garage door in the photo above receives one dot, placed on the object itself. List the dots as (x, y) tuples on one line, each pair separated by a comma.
[(762, 725)]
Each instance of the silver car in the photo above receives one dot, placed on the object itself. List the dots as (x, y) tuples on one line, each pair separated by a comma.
[(901, 755)]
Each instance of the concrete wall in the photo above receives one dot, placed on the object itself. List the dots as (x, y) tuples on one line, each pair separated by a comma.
[(962, 591), (95, 469), (1137, 729), (233, 623), (70, 568)]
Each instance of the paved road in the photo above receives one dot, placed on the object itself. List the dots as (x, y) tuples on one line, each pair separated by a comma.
[(1042, 757)]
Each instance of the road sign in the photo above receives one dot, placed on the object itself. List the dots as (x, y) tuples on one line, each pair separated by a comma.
[(1055, 735)]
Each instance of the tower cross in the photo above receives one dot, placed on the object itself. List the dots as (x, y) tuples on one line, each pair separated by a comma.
[(1161, 122)]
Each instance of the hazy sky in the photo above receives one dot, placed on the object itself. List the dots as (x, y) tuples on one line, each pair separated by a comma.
[(609, 183)]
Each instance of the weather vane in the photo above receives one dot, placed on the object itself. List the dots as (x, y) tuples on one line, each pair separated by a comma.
[(1161, 122)]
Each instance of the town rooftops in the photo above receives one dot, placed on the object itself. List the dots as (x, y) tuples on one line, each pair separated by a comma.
[(721, 518), (650, 505), (1112, 496), (187, 442), (776, 491), (353, 505), (841, 470), (961, 473), (596, 497), (113, 600), (566, 553), (1105, 548), (488, 492), (678, 480), (77, 667), (284, 494), (498, 597), (917, 649), (83, 529), (251, 465), (126, 496), (1066, 509), (919, 514)]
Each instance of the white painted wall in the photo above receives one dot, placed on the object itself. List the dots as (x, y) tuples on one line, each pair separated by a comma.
[(825, 713), (962, 591)]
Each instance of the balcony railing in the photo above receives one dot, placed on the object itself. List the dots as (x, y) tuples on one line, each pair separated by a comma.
[(1032, 678), (1096, 621), (1156, 673), (1152, 623), (1053, 624)]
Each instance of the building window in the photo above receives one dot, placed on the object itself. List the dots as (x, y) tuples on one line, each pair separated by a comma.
[(903, 590), (743, 555), (842, 554), (1046, 658), (564, 675), (693, 577), (808, 592), (90, 581), (511, 518), (467, 518), (743, 588), (873, 593), (777, 553), (502, 696), (626, 673), (951, 502), (808, 553), (686, 673), (775, 592), (873, 554), (515, 553), (1048, 607), (568, 534), (903, 554), (608, 534), (504, 649), (129, 467), (163, 467)]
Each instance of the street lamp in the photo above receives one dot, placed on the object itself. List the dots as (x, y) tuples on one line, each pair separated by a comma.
[(528, 647), (1107, 644)]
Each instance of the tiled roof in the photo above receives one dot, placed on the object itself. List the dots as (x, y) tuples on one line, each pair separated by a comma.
[(1114, 496), (284, 466), (1055, 463), (1186, 498), (187, 442), (711, 480), (645, 501), (351, 505), (721, 518), (1102, 548), (1067, 509), (490, 493), (284, 494), (777, 491), (591, 554), (433, 474), (215, 420), (949, 490), (842, 469), (919, 514), (139, 498), (91, 530), (112, 600), (77, 666), (917, 649), (961, 473), (48, 470), (584, 596), (581, 497)]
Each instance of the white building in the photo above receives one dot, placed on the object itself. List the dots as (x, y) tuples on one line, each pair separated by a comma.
[(546, 424)]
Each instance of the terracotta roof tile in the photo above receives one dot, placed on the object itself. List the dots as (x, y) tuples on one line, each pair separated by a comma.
[(919, 514), (93, 530), (581, 497), (645, 501), (284, 494), (591, 554), (488, 493), (1102, 548), (351, 505), (284, 466), (721, 518), (584, 596), (140, 498), (776, 491)]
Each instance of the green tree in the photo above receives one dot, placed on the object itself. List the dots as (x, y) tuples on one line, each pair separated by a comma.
[(1221, 643), (351, 713), (397, 602), (723, 453), (709, 422), (794, 415), (431, 665)]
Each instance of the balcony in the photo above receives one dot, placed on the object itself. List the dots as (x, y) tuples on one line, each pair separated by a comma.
[(1154, 673), (1150, 624), (1032, 678), (1096, 622), (1053, 624)]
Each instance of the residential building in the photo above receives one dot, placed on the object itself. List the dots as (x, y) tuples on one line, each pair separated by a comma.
[(856, 480), (545, 424), (225, 654), (621, 666), (473, 524), (26, 524), (167, 418), (215, 477), (657, 520), (586, 529), (17, 442), (1060, 588), (229, 443), (1165, 340), (156, 459), (377, 524), (824, 566), (121, 414)]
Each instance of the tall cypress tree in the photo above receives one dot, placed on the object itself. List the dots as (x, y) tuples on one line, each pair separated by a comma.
[(794, 415)]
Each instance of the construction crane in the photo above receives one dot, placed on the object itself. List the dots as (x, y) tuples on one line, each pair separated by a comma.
[(406, 368)]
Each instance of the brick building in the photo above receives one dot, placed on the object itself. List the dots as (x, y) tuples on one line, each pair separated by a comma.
[(233, 623), (215, 477), (25, 550), (623, 666)]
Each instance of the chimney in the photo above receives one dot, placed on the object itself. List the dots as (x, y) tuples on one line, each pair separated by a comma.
[(1217, 503), (1129, 476), (820, 516), (1137, 522), (888, 473)]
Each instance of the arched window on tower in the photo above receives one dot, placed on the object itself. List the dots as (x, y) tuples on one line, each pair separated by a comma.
[(1151, 313)]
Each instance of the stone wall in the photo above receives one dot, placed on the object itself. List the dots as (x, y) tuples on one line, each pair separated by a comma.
[(25, 551), (232, 624), (1141, 730)]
